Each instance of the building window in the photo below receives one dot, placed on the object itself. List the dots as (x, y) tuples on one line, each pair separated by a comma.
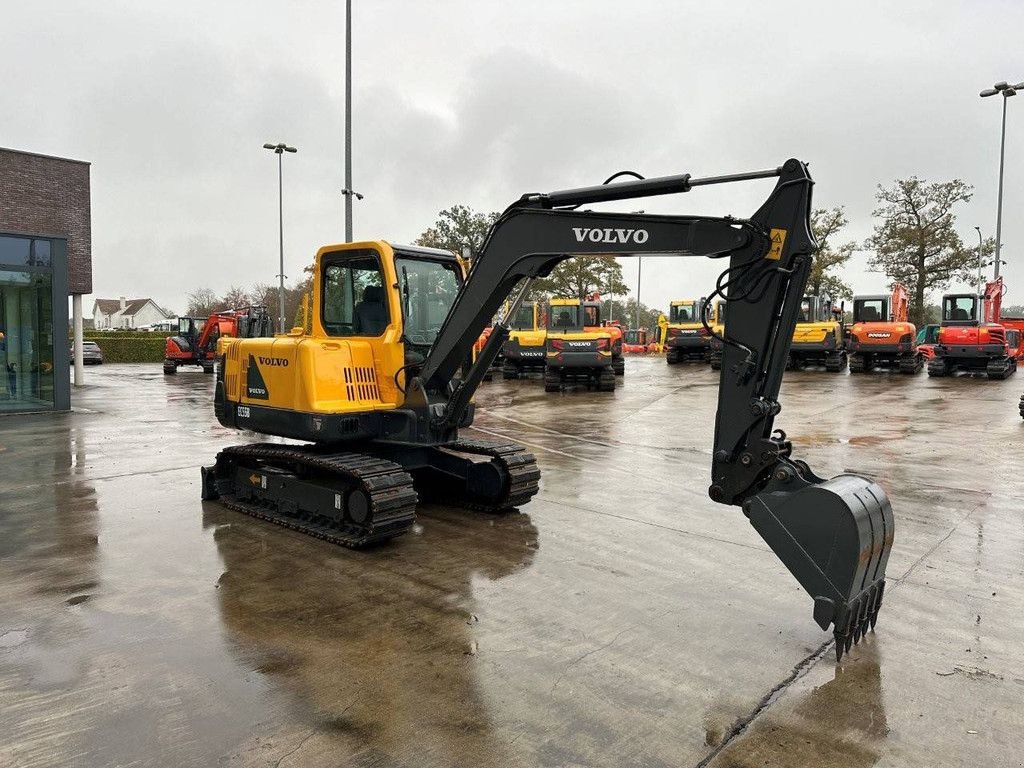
[(26, 324)]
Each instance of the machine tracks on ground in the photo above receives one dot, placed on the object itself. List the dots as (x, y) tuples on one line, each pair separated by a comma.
[(350, 499), (511, 459)]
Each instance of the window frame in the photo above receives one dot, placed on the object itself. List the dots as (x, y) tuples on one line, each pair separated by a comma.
[(339, 258)]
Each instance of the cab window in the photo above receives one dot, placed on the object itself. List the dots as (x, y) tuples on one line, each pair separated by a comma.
[(354, 302), (959, 308), (869, 311), (591, 316), (683, 313), (523, 320), (427, 290), (564, 318)]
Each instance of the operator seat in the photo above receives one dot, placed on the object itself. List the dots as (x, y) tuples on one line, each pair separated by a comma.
[(960, 314), (370, 314), (870, 315)]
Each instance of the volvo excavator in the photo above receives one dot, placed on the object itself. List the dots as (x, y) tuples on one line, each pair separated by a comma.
[(382, 386)]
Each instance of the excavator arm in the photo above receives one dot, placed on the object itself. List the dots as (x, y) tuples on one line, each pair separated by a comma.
[(833, 535)]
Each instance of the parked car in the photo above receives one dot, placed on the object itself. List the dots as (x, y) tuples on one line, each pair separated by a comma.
[(91, 353)]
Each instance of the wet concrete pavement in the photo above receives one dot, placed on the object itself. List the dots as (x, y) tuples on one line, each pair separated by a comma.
[(622, 619)]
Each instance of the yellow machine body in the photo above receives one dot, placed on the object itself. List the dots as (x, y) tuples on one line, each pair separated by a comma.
[(317, 373)]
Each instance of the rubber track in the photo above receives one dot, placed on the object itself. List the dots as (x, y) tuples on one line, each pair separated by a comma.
[(386, 484), (520, 467)]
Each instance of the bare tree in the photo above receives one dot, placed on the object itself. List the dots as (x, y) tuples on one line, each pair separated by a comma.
[(202, 302)]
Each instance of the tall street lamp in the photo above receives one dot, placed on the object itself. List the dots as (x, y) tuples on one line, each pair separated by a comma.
[(279, 149), (1007, 91), (980, 260), (348, 192)]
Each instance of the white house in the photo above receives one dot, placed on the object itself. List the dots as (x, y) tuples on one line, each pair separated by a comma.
[(127, 313)]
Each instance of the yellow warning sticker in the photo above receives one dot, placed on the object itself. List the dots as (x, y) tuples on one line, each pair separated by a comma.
[(255, 479), (778, 240)]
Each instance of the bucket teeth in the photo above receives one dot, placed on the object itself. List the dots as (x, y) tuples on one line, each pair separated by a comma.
[(835, 537), (840, 646)]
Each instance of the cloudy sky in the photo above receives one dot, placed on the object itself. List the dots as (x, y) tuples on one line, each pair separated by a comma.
[(479, 101)]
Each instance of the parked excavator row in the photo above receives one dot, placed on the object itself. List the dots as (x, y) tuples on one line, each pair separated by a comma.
[(566, 341), (196, 340), (380, 389)]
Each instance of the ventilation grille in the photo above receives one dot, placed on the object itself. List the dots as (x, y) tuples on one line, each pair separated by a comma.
[(361, 383)]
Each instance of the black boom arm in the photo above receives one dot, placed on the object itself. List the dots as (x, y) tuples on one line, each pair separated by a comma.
[(769, 258), (833, 535)]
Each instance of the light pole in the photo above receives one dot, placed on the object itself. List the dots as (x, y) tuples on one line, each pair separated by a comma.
[(639, 272), (348, 192), (1007, 91), (279, 149), (980, 260)]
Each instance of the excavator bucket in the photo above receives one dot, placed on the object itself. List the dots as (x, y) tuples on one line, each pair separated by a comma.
[(834, 537)]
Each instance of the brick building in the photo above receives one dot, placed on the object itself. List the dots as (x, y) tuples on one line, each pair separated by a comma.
[(45, 257)]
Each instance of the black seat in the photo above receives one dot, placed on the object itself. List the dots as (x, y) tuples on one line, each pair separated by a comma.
[(960, 314), (371, 315), (870, 315)]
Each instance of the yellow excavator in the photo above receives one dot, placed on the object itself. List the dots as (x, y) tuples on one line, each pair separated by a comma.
[(686, 338), (820, 336), (524, 351), (382, 386), (577, 352)]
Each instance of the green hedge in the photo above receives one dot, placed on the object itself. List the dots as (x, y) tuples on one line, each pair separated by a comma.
[(141, 348)]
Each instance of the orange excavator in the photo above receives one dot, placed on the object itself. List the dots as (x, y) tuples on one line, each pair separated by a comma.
[(975, 337), (196, 340), (882, 336)]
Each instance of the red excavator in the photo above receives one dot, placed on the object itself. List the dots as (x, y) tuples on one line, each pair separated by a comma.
[(974, 337), (196, 340), (881, 335)]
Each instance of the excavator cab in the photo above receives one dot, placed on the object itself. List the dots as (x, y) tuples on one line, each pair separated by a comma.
[(960, 309), (381, 426)]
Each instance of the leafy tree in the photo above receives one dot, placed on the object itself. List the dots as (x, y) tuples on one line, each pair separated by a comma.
[(582, 275), (202, 302), (826, 224), (624, 310), (916, 242), (458, 227)]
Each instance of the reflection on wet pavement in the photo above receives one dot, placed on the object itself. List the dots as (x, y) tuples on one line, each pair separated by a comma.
[(363, 642), (840, 722), (621, 620)]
